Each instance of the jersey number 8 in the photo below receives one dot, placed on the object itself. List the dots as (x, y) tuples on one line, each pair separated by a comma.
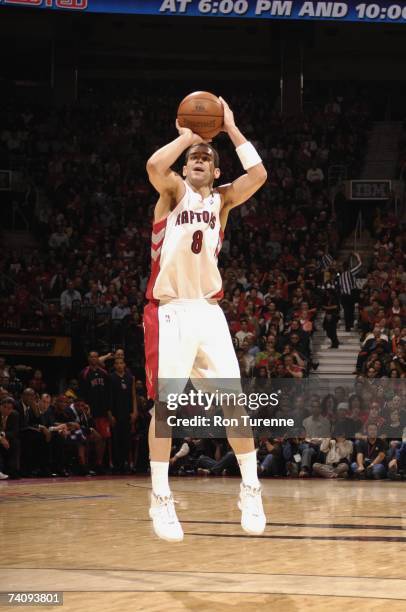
[(197, 242)]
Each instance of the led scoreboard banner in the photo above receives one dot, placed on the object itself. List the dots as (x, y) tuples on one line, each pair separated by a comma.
[(379, 12)]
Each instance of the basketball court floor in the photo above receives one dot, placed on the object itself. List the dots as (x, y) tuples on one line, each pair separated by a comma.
[(328, 545)]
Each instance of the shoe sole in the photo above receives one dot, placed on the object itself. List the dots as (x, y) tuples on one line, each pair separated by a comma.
[(252, 532)]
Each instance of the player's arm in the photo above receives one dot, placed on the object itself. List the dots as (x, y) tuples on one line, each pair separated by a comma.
[(245, 186), (159, 167)]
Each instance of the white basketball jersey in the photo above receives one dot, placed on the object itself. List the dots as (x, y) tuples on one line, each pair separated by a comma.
[(184, 250)]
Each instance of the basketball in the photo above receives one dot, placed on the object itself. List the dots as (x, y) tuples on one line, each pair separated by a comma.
[(202, 112)]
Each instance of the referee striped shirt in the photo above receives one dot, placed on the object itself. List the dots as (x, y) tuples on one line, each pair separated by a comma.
[(346, 282), (326, 261)]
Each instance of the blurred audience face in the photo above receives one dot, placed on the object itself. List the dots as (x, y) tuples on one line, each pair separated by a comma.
[(61, 402), (119, 364), (315, 408), (45, 401), (28, 396), (6, 408), (372, 431), (340, 394), (93, 359)]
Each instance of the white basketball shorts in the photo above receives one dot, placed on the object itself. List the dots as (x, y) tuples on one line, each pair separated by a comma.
[(187, 339)]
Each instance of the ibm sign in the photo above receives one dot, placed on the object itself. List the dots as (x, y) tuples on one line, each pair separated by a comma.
[(370, 190)]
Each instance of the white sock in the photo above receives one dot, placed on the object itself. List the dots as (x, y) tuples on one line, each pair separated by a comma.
[(159, 477), (248, 467)]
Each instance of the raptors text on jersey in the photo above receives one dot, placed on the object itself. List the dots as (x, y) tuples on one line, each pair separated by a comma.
[(184, 250)]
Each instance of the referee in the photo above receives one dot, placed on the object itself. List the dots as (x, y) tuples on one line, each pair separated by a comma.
[(347, 286)]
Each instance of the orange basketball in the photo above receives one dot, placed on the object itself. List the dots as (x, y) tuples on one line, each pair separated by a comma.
[(202, 112)]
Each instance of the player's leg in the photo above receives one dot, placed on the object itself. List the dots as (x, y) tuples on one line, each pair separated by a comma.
[(216, 360), (159, 448), (169, 357)]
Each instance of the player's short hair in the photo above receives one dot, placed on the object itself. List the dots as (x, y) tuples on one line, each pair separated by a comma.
[(216, 157)]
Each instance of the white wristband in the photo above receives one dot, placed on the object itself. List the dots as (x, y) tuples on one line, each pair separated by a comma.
[(248, 155)]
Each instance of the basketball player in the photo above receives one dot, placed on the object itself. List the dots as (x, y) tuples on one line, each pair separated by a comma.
[(186, 333)]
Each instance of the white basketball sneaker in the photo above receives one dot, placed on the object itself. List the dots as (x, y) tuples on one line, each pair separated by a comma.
[(165, 522), (3, 476), (253, 519)]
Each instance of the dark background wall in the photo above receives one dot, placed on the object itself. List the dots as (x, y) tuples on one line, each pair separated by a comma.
[(55, 54)]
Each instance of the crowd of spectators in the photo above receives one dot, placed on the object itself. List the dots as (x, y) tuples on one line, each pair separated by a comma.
[(90, 207), (99, 425), (358, 431), (382, 303)]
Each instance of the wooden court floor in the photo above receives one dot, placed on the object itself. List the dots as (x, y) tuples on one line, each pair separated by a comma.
[(328, 546)]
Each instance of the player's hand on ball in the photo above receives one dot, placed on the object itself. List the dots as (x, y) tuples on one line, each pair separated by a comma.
[(228, 116), (184, 131)]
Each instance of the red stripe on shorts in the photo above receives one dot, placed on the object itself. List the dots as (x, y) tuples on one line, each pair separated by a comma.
[(151, 342)]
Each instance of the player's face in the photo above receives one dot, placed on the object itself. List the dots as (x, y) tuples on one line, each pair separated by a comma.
[(200, 169)]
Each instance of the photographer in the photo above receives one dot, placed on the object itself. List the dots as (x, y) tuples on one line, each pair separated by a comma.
[(270, 459), (370, 456), (292, 449), (217, 460), (338, 456), (185, 454)]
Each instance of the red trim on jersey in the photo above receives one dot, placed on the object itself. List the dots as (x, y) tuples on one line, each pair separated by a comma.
[(155, 262), (155, 269), (218, 295), (156, 227), (151, 343), (156, 246)]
